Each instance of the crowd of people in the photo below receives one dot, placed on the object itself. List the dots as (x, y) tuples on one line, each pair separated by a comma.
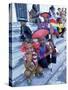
[(39, 54)]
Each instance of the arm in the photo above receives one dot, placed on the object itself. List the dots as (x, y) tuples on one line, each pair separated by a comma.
[(49, 51)]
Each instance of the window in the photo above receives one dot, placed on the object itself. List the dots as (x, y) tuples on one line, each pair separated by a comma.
[(21, 11)]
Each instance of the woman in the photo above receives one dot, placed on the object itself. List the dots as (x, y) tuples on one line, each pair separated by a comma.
[(44, 51), (52, 57)]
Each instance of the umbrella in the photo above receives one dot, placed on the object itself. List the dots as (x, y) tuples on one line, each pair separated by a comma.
[(44, 14), (53, 21), (40, 33)]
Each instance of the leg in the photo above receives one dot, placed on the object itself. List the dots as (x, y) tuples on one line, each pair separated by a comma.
[(39, 71), (48, 59), (53, 58), (28, 76), (43, 63)]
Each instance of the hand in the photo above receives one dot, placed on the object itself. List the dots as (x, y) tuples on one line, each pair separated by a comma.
[(51, 51)]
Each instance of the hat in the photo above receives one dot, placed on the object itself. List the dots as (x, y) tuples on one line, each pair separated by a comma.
[(45, 14)]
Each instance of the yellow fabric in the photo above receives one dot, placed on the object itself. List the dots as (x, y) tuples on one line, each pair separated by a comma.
[(60, 27)]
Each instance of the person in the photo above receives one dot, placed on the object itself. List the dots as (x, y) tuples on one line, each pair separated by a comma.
[(31, 63), (45, 24), (63, 15), (60, 27), (44, 51), (59, 12), (34, 14), (26, 33), (52, 57), (52, 12)]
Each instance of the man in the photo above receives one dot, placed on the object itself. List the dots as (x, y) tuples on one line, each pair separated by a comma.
[(60, 27), (34, 14), (26, 33)]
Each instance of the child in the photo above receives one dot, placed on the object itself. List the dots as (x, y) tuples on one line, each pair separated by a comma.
[(60, 27), (31, 64)]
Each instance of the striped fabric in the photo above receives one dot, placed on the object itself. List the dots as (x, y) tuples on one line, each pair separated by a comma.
[(34, 57)]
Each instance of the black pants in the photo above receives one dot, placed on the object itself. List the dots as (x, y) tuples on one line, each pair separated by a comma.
[(51, 60), (43, 63)]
